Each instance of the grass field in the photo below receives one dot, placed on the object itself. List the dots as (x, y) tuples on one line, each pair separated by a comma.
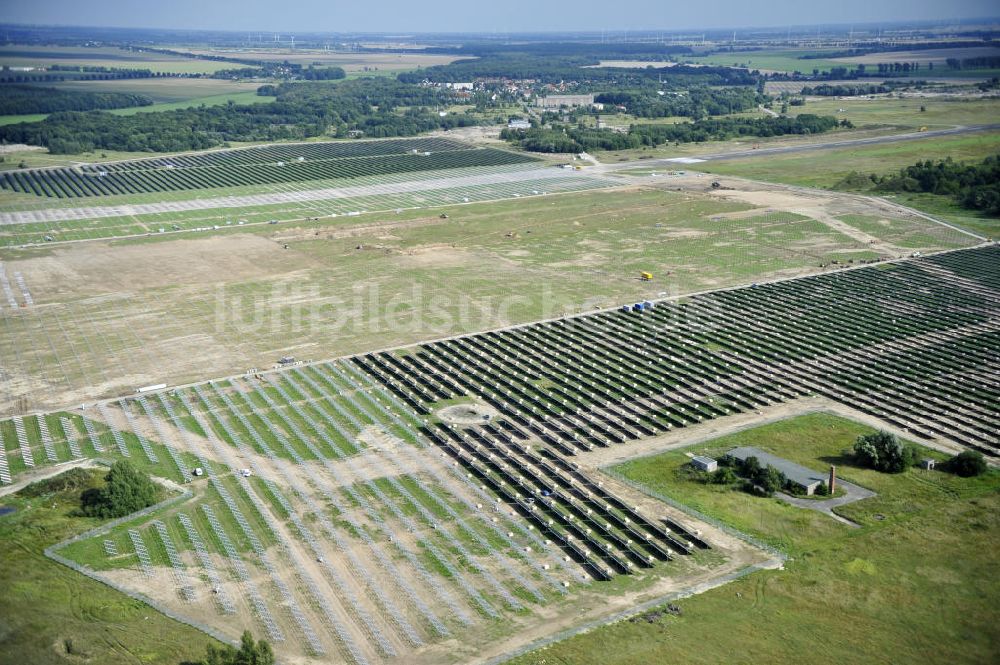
[(945, 208), (825, 168), (165, 90), (778, 60), (49, 613), (940, 112), (915, 582)]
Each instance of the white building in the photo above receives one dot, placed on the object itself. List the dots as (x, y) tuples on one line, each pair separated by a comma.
[(703, 463)]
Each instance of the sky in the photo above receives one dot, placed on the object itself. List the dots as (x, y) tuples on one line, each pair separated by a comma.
[(409, 16)]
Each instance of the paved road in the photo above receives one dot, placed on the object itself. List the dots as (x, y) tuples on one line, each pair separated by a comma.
[(851, 494), (808, 147)]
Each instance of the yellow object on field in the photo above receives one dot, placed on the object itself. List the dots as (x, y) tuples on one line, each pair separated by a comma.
[(923, 129), (646, 276)]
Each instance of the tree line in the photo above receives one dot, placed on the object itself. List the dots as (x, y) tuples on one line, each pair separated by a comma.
[(559, 139), (576, 68), (22, 99), (57, 73), (374, 107), (981, 62), (842, 90), (973, 186), (280, 71)]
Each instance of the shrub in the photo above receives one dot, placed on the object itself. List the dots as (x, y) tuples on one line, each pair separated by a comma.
[(249, 653), (770, 480), (967, 464), (882, 451), (750, 467), (127, 490), (723, 476), (822, 490), (74, 479)]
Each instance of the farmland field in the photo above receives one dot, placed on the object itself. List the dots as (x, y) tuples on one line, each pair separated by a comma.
[(165, 90), (923, 56), (46, 56), (779, 60), (167, 94), (350, 62)]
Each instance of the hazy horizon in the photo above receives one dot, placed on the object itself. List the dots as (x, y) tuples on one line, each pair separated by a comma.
[(443, 16)]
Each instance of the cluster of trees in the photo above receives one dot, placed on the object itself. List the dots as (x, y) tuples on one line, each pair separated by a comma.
[(973, 186), (282, 71), (884, 452), (900, 67), (547, 48), (20, 99), (697, 102), (577, 68), (555, 138), (981, 62), (126, 490), (841, 90), (763, 480), (376, 107), (967, 464), (991, 84), (57, 73), (251, 652)]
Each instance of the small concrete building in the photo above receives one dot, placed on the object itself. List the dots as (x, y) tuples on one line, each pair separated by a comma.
[(703, 463), (807, 479), (927, 463)]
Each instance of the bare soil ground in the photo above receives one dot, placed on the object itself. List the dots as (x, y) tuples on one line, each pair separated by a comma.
[(922, 56)]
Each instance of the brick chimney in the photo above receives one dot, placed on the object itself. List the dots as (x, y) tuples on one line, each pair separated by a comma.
[(832, 485)]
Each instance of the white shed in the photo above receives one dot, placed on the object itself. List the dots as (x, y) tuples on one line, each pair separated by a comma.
[(703, 463)]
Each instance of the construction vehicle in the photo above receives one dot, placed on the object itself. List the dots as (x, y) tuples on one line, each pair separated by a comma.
[(645, 276)]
